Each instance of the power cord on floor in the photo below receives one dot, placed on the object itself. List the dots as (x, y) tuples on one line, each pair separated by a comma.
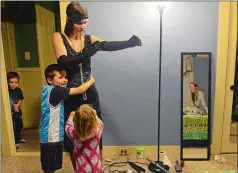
[(114, 158), (119, 164), (112, 164)]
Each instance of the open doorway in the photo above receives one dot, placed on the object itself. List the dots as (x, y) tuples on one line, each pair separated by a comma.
[(27, 29)]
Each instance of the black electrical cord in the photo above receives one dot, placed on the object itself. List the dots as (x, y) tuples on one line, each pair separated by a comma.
[(119, 164), (105, 165), (112, 164), (116, 171)]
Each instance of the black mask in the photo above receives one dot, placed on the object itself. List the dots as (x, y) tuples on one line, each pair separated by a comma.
[(76, 18)]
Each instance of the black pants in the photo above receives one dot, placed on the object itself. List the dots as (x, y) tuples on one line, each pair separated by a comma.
[(17, 127), (51, 156)]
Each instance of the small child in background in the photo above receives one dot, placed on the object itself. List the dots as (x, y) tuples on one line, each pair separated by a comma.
[(52, 116), (84, 129), (16, 97)]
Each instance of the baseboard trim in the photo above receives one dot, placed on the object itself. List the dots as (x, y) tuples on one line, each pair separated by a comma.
[(150, 151), (31, 69)]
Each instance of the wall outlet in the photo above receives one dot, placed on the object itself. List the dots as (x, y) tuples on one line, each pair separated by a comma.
[(123, 151)]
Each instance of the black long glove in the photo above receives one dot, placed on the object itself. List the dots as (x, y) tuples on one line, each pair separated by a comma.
[(67, 61), (119, 45)]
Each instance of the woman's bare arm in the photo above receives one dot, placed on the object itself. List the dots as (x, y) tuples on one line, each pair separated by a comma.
[(95, 39), (58, 45), (66, 61)]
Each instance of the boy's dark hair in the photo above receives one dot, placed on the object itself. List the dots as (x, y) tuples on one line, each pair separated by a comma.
[(11, 75), (50, 71)]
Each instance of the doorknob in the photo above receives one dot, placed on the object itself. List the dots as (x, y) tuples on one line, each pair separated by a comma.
[(232, 87)]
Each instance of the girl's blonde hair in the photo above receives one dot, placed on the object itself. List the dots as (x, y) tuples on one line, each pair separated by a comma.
[(85, 122)]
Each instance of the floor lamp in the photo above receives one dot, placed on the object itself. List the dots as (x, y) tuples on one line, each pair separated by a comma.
[(161, 7)]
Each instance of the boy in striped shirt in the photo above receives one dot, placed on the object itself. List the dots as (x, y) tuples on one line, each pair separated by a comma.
[(52, 116)]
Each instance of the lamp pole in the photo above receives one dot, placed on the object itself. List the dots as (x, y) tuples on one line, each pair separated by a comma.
[(161, 10)]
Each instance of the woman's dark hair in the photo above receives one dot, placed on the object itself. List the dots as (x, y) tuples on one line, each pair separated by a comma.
[(72, 8)]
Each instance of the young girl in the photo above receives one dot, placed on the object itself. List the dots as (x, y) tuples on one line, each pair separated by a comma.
[(84, 129)]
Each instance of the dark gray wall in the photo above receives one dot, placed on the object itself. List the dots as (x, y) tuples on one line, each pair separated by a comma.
[(201, 74), (128, 80)]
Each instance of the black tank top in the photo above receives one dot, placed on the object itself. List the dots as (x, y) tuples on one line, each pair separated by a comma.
[(79, 73)]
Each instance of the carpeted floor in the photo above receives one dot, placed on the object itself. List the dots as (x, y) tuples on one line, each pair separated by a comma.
[(32, 141)]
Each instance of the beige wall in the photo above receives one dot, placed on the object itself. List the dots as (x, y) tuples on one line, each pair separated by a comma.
[(63, 6), (31, 85)]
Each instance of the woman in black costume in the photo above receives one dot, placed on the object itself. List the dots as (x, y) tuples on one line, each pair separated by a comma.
[(73, 50)]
